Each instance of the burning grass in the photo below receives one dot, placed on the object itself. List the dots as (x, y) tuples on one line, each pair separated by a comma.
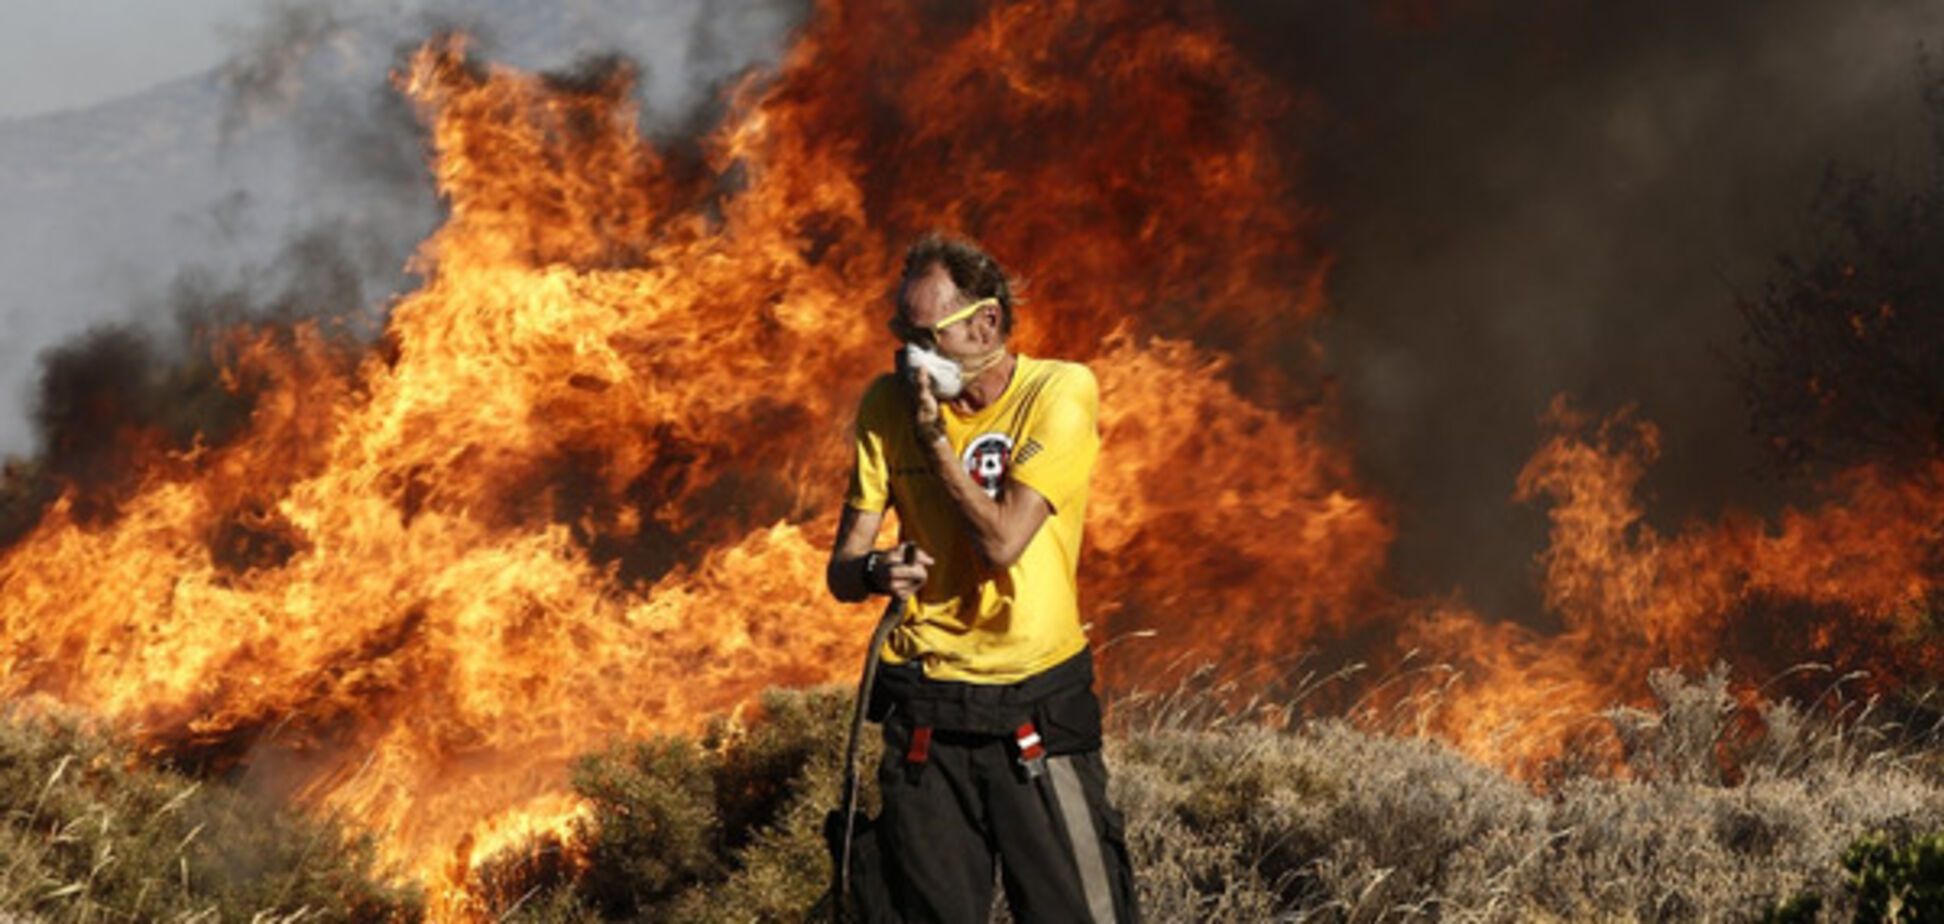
[(1721, 810)]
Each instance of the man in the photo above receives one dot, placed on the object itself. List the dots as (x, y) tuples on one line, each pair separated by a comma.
[(991, 726)]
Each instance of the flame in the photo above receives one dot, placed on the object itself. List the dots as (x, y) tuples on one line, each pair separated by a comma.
[(1849, 581), (582, 486)]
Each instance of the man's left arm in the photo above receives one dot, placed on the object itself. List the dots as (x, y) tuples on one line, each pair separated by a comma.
[(1050, 470), (1000, 528)]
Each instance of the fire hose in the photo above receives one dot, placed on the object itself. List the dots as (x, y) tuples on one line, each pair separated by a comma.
[(893, 614)]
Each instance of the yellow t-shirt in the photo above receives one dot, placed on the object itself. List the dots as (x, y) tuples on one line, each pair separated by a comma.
[(969, 622)]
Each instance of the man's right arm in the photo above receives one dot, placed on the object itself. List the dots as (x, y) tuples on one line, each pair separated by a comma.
[(845, 575), (900, 571)]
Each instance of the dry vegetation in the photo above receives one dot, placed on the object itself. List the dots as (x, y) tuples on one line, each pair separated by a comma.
[(86, 835), (1713, 817), (1231, 818), (1234, 815)]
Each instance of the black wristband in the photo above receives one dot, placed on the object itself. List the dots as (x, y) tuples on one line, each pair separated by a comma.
[(871, 560)]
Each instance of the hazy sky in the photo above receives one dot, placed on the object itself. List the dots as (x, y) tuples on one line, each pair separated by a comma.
[(58, 55)]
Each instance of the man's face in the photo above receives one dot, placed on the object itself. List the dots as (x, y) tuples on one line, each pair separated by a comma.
[(930, 298)]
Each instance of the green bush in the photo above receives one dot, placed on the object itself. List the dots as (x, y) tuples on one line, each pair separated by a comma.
[(657, 829), (1897, 883), (86, 835), (726, 827)]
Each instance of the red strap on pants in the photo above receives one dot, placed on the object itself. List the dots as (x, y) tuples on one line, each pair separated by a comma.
[(1032, 753), (920, 745)]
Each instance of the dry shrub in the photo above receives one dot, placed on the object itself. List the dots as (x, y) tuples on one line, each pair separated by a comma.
[(1718, 813), (1321, 821), (87, 835), (727, 827), (657, 831), (1234, 814)]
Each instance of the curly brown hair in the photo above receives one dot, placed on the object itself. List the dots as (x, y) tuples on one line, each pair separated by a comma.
[(976, 274)]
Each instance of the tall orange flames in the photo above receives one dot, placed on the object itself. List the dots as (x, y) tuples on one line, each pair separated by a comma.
[(582, 487), (1852, 582)]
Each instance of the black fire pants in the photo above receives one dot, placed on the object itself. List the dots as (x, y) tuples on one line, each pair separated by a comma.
[(947, 818)]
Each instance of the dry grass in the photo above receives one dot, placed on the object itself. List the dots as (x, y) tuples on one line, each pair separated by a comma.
[(1713, 817), (1235, 814), (87, 836)]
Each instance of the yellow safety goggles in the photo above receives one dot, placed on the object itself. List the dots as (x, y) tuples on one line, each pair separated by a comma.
[(912, 333)]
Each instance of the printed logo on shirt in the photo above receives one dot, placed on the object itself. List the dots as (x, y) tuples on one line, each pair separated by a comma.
[(1030, 449), (986, 460)]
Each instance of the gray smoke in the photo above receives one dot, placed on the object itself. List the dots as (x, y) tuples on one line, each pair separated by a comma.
[(291, 179), (1532, 197)]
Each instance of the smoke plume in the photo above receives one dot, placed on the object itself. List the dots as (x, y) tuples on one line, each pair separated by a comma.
[(1533, 198)]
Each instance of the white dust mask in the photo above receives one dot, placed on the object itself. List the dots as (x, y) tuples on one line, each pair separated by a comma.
[(949, 375), (947, 379)]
